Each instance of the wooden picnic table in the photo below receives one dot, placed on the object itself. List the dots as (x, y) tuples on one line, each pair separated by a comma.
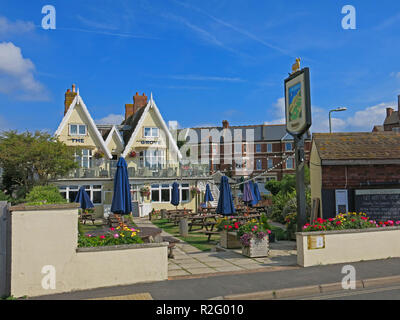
[(203, 221)]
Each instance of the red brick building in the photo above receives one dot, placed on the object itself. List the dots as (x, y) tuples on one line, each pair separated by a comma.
[(392, 120), (261, 147), (357, 171)]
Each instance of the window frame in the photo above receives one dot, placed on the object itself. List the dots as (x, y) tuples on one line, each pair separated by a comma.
[(78, 126), (152, 129)]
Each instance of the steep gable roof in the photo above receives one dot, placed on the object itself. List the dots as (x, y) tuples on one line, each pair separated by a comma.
[(79, 101), (137, 123), (112, 132)]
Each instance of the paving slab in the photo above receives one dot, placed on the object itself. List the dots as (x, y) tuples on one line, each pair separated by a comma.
[(229, 268), (201, 270), (180, 272), (174, 267), (221, 263)]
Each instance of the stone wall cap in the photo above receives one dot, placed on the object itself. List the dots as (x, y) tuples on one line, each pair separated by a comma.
[(313, 233), (23, 207), (124, 247)]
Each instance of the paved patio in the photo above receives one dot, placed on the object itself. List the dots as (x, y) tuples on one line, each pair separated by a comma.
[(192, 261)]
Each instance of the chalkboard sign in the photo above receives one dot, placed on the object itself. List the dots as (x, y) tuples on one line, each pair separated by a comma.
[(135, 208), (379, 204)]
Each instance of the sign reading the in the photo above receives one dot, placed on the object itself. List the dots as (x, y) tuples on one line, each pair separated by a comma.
[(298, 102), (78, 140), (316, 242)]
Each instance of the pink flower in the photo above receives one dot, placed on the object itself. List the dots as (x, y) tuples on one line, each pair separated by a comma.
[(269, 231), (102, 237), (112, 229), (397, 222), (116, 235)]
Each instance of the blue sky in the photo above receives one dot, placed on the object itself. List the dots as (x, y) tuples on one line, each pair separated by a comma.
[(204, 61)]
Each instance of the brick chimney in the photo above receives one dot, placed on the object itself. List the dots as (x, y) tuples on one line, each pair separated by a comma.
[(389, 112), (69, 97), (398, 105), (225, 124), (138, 102)]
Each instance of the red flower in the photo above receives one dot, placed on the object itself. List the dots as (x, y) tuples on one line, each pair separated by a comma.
[(338, 222)]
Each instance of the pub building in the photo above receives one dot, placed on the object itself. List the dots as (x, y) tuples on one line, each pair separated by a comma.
[(147, 145), (356, 172)]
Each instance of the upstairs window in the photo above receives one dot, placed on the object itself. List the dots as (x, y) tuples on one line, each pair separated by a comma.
[(150, 132), (77, 129), (288, 146), (289, 163), (269, 147), (258, 147)]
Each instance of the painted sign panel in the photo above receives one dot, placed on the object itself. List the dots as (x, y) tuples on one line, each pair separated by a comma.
[(316, 242), (379, 204), (298, 102)]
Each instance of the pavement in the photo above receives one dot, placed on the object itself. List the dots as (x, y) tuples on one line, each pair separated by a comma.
[(290, 282), (190, 261)]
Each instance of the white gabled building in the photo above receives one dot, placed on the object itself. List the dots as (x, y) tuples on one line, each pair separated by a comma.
[(145, 142)]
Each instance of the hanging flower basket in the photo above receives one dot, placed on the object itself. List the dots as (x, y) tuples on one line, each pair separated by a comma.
[(194, 191), (98, 154), (132, 154), (145, 192)]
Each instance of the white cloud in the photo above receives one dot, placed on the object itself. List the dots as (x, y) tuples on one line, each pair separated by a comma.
[(361, 120), (7, 27), (395, 75), (278, 112), (111, 119), (17, 75), (364, 120)]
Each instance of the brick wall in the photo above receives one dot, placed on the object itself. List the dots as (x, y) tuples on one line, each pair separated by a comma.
[(334, 177)]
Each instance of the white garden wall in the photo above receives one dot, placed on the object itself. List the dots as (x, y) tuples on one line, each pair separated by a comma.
[(47, 235), (348, 246)]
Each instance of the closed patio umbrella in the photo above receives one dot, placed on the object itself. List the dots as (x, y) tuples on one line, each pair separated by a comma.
[(257, 193), (175, 194), (208, 195), (83, 198), (252, 189), (121, 201), (247, 194), (225, 201)]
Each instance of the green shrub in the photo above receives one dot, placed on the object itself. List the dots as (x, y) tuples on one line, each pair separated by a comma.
[(4, 197), (44, 195)]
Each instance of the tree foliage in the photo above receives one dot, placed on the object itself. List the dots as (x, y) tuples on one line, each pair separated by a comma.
[(44, 194), (30, 159)]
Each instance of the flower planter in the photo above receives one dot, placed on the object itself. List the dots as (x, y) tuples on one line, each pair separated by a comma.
[(258, 248), (346, 246), (229, 240)]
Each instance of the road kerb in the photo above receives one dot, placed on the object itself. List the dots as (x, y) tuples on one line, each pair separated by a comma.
[(370, 283), (337, 286), (261, 295), (311, 290), (296, 292)]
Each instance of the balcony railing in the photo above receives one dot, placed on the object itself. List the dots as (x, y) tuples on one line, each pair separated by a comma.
[(107, 169)]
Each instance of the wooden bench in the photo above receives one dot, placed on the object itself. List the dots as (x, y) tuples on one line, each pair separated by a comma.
[(171, 245), (85, 217), (210, 233)]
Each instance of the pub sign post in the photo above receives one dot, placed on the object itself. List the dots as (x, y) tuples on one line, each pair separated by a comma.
[(298, 121)]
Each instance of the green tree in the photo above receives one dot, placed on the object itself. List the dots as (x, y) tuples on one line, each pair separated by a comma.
[(30, 159), (44, 194)]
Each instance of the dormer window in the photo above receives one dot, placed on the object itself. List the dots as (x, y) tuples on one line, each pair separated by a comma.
[(150, 132), (77, 130)]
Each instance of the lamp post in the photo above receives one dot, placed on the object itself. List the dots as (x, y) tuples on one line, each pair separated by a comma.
[(334, 110)]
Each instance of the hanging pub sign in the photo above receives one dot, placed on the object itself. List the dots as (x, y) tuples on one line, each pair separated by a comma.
[(298, 101)]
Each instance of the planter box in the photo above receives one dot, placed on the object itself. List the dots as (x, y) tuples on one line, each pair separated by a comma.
[(332, 247), (229, 240), (258, 248)]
